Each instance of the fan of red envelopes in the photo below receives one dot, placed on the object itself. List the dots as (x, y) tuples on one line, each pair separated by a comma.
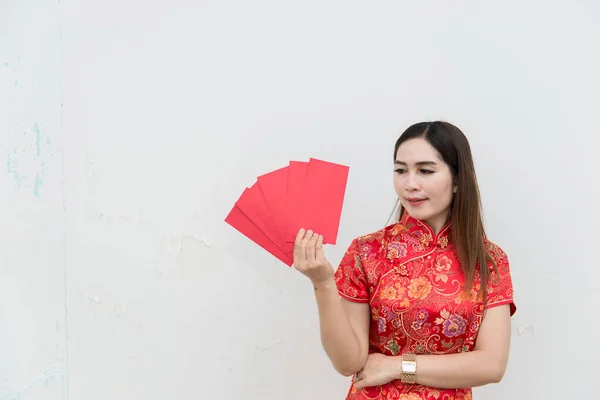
[(302, 194)]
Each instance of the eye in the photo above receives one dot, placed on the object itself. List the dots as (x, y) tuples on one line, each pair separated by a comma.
[(400, 170), (427, 171)]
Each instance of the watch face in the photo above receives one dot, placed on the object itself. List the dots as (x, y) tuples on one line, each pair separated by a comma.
[(409, 367)]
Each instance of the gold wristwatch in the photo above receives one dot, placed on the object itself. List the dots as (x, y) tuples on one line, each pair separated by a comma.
[(409, 368)]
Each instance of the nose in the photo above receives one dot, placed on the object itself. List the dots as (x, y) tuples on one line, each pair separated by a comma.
[(412, 183)]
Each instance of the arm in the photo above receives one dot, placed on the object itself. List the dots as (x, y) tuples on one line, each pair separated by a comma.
[(344, 328), (344, 325), (485, 364)]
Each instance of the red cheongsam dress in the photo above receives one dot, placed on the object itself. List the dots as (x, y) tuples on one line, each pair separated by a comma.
[(414, 284)]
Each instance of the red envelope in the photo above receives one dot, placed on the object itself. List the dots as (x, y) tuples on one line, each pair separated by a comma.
[(296, 178), (274, 189), (240, 221), (322, 198), (301, 195), (252, 203)]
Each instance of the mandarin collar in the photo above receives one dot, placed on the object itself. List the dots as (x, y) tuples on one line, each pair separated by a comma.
[(421, 230)]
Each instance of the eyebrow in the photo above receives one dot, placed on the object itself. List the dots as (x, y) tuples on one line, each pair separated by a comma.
[(419, 163)]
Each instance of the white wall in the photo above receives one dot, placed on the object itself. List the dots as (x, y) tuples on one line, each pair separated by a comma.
[(33, 329), (119, 277)]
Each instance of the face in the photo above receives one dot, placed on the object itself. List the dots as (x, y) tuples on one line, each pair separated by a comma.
[(424, 182)]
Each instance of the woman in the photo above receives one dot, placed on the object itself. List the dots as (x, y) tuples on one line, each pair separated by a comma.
[(420, 309)]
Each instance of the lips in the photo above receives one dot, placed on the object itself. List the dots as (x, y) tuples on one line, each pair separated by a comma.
[(415, 201)]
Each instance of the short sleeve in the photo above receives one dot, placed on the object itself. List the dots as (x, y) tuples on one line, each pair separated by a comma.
[(350, 277), (500, 286)]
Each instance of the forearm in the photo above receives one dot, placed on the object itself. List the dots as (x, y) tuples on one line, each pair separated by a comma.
[(463, 370), (337, 335)]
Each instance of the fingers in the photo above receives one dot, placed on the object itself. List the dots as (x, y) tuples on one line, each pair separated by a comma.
[(309, 257), (298, 250), (319, 255), (311, 249), (357, 384), (299, 245), (360, 382), (308, 247), (302, 239), (299, 236)]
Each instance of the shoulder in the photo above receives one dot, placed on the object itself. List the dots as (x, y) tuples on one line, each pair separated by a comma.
[(360, 268), (373, 244), (499, 286), (495, 251), (498, 255)]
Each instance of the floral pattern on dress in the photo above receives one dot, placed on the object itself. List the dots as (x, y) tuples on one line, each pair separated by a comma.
[(414, 284)]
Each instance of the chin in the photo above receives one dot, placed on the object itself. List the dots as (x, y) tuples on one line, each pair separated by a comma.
[(418, 214)]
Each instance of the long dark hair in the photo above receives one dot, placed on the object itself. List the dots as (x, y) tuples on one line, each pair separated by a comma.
[(468, 233)]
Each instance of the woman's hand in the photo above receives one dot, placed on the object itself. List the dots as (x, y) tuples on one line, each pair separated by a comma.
[(378, 370), (309, 258)]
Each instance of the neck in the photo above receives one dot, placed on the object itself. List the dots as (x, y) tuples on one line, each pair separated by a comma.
[(436, 223)]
